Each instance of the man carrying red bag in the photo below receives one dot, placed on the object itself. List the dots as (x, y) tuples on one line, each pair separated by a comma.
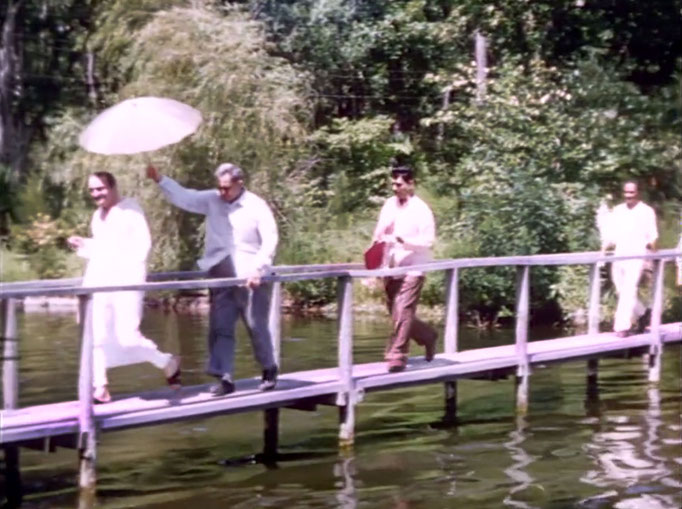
[(407, 229)]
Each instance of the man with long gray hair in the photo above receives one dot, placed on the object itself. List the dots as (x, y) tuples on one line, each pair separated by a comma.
[(241, 238)]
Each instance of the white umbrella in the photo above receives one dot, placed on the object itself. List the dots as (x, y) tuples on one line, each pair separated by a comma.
[(140, 124)]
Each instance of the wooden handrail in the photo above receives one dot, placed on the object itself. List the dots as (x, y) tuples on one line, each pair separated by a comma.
[(304, 272)]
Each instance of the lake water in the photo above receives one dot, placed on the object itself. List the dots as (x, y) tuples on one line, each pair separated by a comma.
[(619, 448)]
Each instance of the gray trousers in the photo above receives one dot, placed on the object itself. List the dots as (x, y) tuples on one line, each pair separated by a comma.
[(227, 305)]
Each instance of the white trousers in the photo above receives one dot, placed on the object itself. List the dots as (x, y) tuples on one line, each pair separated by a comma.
[(117, 339), (625, 275)]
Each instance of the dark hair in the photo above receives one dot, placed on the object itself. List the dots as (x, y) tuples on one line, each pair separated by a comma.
[(107, 178), (406, 172)]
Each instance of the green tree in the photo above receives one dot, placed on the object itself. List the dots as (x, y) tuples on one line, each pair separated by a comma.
[(254, 107), (530, 164), (43, 67)]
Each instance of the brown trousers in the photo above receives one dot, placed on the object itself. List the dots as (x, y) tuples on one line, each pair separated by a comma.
[(402, 297)]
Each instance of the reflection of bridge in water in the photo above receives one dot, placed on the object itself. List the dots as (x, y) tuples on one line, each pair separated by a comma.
[(627, 453), (77, 423)]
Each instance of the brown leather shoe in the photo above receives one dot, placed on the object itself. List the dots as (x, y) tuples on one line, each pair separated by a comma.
[(396, 365), (430, 349), (173, 372), (101, 395)]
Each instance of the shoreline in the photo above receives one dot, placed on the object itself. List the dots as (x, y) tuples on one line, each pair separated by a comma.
[(199, 305)]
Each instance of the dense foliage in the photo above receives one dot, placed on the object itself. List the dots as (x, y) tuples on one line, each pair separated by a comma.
[(317, 98)]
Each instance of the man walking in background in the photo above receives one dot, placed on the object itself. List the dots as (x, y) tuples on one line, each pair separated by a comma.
[(631, 231), (117, 256), (241, 238), (407, 228)]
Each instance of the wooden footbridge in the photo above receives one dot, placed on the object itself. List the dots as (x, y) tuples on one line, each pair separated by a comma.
[(77, 424)]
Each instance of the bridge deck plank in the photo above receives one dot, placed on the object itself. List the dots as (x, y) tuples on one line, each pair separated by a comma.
[(166, 405)]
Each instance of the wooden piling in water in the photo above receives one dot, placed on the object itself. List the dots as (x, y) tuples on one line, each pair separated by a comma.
[(522, 317), (593, 318), (656, 348), (346, 399), (450, 416), (87, 439), (450, 340), (10, 355), (271, 415), (270, 434), (10, 397)]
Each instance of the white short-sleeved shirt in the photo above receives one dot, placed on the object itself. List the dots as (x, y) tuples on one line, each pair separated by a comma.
[(413, 222)]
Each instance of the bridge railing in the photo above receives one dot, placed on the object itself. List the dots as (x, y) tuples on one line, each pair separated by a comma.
[(344, 273)]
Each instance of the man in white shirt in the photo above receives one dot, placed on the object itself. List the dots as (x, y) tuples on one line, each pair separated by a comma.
[(241, 238), (632, 231), (407, 227), (117, 255)]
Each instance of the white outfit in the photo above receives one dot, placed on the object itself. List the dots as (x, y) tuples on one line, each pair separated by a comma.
[(117, 255), (245, 229), (413, 222), (630, 230)]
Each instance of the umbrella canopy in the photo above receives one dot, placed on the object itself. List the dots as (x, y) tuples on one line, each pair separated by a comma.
[(140, 124)]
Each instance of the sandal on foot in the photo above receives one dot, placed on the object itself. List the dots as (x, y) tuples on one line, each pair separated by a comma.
[(173, 372)]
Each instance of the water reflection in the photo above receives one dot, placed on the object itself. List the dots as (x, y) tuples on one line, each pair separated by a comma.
[(344, 472), (400, 462), (628, 456), (517, 471)]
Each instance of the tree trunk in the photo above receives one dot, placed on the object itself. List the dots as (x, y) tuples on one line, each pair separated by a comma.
[(10, 79)]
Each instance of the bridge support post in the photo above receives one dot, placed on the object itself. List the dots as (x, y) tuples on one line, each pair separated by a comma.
[(451, 311), (346, 399), (592, 389), (270, 435), (271, 415), (10, 397), (87, 439), (656, 348), (522, 318), (450, 416), (450, 340), (275, 321), (593, 317), (592, 374)]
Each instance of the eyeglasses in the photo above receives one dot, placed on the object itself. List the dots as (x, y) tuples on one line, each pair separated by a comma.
[(224, 189), (96, 189)]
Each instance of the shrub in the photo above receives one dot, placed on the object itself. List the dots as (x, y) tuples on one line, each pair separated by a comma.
[(43, 241)]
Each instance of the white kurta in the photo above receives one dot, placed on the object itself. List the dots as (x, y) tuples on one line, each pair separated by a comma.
[(117, 255), (630, 230)]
